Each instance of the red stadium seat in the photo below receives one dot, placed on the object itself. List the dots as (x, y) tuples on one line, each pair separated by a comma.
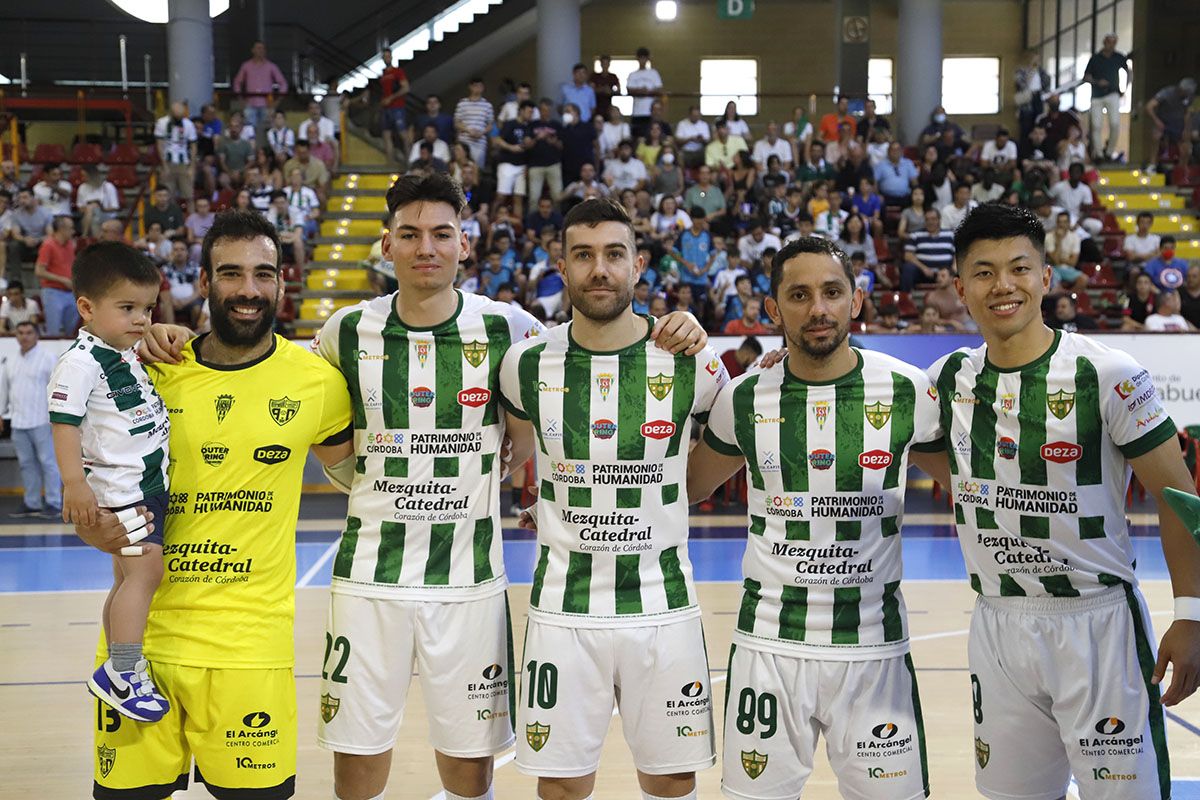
[(902, 301), (86, 153), (1083, 302), (123, 176), (50, 154), (150, 156), (6, 152), (287, 309), (122, 154), (76, 176)]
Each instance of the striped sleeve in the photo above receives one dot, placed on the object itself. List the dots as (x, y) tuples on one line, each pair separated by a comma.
[(70, 386), (1134, 415), (711, 377), (720, 434), (927, 421), (325, 342), (510, 382)]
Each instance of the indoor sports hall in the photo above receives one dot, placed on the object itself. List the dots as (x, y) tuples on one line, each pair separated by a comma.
[(725, 129)]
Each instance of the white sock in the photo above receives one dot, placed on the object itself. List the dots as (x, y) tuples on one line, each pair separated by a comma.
[(689, 796), (485, 796)]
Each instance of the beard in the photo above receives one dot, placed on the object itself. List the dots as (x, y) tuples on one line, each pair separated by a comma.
[(236, 332), (601, 310), (821, 349)]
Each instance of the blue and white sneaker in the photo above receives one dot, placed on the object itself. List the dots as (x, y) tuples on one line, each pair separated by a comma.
[(132, 693)]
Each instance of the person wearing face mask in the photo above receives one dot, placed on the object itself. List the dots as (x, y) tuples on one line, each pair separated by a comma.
[(1166, 270), (579, 143), (667, 177), (938, 125)]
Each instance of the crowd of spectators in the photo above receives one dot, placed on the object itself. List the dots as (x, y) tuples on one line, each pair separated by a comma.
[(713, 200)]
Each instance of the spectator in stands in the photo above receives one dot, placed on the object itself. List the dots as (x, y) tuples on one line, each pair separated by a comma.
[(1031, 82), (546, 288), (434, 115), (625, 171), (935, 132), (579, 144), (165, 212), (945, 300), (834, 119), (706, 195), (512, 107), (234, 151), (752, 244), (912, 218), (512, 148), (1103, 73), (24, 404), (1067, 317), (289, 223), (692, 135), (585, 188), (611, 133), (1075, 196), (605, 84), (931, 322), (16, 308), (258, 188), (542, 217), (772, 145), (854, 238), (545, 166), (927, 251), (1168, 111), (1035, 152), (738, 360), (896, 176), (438, 148), (645, 85), (734, 122), (953, 214), (1071, 150), (868, 203), (1189, 296), (112, 230), (53, 270), (258, 81), (667, 177), (322, 135), (425, 160), (749, 323), (196, 226), (316, 174), (870, 123), (53, 192), (889, 321), (658, 114), (1166, 317), (580, 93), (175, 137), (10, 181), (798, 131), (1062, 254), (183, 275), (473, 119), (208, 130), (97, 199), (987, 190), (789, 218), (829, 223), (1143, 245), (281, 138), (816, 168), (1057, 123), (719, 153), (1166, 269), (692, 249), (1000, 152), (1138, 304), (156, 245), (839, 149)]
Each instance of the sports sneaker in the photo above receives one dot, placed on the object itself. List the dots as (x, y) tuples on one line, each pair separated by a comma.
[(51, 512), (26, 511), (132, 693)]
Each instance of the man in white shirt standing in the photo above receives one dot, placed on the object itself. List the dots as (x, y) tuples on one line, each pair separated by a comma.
[(176, 137), (644, 84), (772, 145), (24, 403)]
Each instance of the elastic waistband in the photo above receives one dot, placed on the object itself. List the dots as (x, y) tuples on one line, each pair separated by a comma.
[(1109, 596)]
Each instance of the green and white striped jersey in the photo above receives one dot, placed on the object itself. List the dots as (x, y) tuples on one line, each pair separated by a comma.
[(122, 421), (613, 432), (1039, 456), (827, 466), (424, 513)]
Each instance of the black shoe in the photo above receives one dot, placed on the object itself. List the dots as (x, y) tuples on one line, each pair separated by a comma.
[(50, 512), (26, 511)]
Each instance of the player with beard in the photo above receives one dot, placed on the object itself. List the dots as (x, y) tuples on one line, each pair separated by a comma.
[(246, 406), (1042, 428), (821, 641), (613, 613), (419, 576)]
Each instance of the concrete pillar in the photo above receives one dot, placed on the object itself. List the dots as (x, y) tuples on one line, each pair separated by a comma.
[(918, 65), (557, 44), (852, 48), (190, 52)]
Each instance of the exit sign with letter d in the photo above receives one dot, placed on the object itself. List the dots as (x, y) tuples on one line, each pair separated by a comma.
[(735, 9)]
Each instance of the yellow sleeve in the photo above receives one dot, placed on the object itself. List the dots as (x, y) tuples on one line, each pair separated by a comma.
[(335, 404)]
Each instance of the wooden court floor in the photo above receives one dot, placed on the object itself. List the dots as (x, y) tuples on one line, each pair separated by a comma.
[(46, 715)]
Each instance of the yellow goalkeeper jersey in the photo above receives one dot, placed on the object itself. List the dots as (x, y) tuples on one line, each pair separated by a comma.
[(239, 439)]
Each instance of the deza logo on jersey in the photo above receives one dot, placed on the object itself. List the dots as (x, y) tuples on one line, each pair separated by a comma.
[(474, 397), (658, 429), (1061, 452), (875, 459)]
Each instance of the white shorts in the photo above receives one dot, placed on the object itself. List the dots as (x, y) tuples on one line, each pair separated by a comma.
[(868, 711), (658, 677), (462, 651), (510, 179), (1061, 686)]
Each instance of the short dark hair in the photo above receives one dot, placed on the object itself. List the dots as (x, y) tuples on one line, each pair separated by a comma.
[(1166, 240), (806, 245), (580, 65), (26, 323), (697, 212), (431, 188), (643, 52), (16, 285), (103, 265), (237, 224), (593, 211), (1145, 214), (1163, 297), (752, 344), (995, 221)]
